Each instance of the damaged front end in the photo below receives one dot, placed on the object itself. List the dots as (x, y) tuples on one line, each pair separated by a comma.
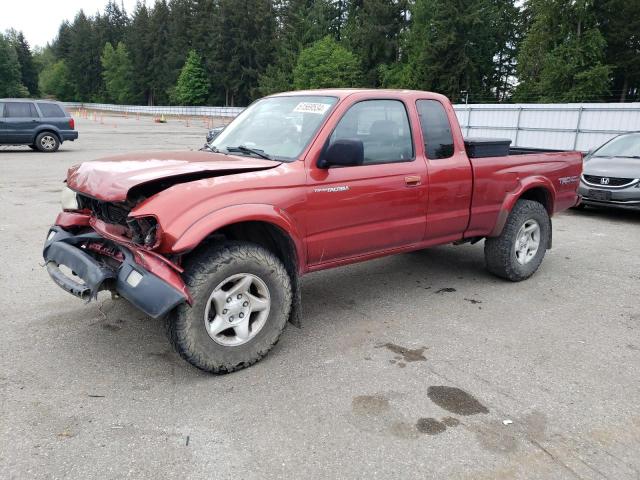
[(85, 255)]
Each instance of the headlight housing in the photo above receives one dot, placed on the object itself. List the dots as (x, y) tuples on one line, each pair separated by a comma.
[(68, 199), (145, 231)]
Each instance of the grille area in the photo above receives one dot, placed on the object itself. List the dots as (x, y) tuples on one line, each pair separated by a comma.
[(613, 181), (106, 211)]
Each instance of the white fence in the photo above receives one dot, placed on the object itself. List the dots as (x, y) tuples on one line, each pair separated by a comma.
[(160, 110), (557, 126)]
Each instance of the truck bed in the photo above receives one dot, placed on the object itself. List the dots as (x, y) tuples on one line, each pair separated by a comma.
[(557, 172)]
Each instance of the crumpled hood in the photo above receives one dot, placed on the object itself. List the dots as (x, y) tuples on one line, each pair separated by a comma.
[(111, 178), (619, 167)]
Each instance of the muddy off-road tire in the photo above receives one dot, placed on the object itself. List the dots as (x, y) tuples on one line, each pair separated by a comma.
[(241, 302), (518, 252)]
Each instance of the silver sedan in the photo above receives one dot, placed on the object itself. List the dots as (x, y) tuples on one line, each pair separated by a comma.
[(611, 174)]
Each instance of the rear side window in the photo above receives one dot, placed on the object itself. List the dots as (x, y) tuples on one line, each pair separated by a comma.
[(51, 110), (436, 129), (20, 110)]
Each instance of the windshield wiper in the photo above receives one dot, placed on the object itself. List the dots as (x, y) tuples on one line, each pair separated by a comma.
[(207, 147), (244, 149)]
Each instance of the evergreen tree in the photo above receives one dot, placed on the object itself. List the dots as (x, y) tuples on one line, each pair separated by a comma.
[(10, 76), (451, 48), (619, 22), (181, 24), (327, 64), (562, 56), (112, 24), (192, 87), (300, 23), (28, 70), (139, 41), (205, 39), (117, 72), (160, 70), (246, 48), (373, 33), (566, 50), (83, 59), (62, 44), (506, 27)]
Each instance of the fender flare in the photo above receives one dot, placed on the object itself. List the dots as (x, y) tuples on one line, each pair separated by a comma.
[(47, 128), (513, 196), (247, 212)]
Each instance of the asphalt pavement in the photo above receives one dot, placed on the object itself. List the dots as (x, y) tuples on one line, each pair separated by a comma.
[(420, 365)]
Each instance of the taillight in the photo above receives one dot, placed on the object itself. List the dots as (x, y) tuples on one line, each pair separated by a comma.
[(72, 124)]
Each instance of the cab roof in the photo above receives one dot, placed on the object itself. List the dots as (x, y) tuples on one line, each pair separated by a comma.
[(345, 92)]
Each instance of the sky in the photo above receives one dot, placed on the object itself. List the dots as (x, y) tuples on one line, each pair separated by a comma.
[(39, 19)]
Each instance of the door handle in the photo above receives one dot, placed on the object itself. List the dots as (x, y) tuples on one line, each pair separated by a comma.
[(412, 180)]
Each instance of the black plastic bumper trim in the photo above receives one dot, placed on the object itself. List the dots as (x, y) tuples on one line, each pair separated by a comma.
[(151, 294)]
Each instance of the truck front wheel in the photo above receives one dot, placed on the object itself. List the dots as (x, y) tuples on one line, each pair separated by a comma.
[(518, 252), (241, 302)]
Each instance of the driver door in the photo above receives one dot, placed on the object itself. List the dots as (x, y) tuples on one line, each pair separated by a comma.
[(376, 206)]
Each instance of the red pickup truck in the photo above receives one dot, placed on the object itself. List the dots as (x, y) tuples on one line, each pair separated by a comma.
[(299, 182)]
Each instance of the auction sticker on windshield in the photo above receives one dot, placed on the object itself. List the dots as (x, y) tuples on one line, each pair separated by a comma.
[(308, 107)]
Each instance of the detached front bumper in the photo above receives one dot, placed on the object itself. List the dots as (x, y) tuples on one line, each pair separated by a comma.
[(94, 272)]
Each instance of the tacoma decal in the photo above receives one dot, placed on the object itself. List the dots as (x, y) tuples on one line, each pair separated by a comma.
[(341, 188)]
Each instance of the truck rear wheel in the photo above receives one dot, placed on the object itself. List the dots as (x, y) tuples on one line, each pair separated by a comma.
[(518, 252), (241, 302)]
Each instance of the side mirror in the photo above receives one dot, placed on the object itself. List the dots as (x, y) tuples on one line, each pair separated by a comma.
[(343, 153), (213, 133)]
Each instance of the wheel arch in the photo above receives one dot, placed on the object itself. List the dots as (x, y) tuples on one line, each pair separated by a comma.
[(538, 189), (47, 129), (263, 225)]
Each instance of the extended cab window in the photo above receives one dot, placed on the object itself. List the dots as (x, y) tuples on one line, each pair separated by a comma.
[(51, 110), (436, 129), (20, 110), (383, 128)]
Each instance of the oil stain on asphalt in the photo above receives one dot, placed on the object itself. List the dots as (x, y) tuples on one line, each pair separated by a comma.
[(408, 355), (430, 426), (446, 290), (455, 400), (375, 413)]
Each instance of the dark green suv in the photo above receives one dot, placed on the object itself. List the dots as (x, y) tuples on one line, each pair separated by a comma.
[(41, 124)]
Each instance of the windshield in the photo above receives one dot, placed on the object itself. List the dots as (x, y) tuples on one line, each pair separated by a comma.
[(622, 146), (278, 127)]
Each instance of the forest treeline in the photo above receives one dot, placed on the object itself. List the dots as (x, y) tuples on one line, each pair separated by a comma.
[(229, 52)]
